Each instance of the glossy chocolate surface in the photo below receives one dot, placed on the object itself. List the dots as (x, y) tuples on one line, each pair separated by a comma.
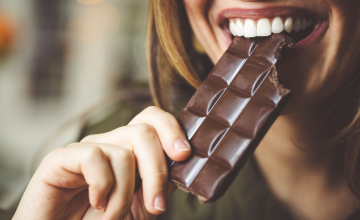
[(229, 115)]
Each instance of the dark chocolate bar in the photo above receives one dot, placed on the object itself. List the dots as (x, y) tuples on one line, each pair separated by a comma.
[(229, 115)]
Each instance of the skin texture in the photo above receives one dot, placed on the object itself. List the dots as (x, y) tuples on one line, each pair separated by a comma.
[(94, 179), (299, 173)]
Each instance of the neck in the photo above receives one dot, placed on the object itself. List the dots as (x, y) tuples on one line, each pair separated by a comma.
[(301, 165)]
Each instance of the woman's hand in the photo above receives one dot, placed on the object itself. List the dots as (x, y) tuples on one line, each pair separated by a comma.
[(95, 179)]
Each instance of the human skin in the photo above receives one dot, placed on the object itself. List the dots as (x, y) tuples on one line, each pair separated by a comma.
[(95, 178), (314, 70)]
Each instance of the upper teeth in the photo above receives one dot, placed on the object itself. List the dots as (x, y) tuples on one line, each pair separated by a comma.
[(263, 26)]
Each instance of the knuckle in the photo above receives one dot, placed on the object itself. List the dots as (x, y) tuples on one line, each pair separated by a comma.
[(71, 145), (145, 129), (165, 116), (153, 109), (89, 138), (171, 119), (161, 174), (93, 152), (124, 155), (157, 111), (57, 150), (49, 157)]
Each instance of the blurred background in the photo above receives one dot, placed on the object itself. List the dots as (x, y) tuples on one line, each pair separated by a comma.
[(57, 59)]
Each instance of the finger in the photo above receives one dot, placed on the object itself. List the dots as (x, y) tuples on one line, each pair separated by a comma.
[(123, 163), (88, 160), (171, 135), (143, 140), (138, 210), (152, 167)]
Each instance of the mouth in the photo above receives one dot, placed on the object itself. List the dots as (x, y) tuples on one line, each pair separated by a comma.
[(301, 25)]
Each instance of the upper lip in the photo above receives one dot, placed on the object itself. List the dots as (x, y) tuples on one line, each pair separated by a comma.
[(268, 12)]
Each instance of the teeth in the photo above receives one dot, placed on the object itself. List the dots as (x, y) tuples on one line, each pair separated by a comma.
[(249, 28), (236, 29), (277, 25), (239, 28), (309, 22), (232, 28), (263, 27), (288, 24), (303, 24), (297, 25)]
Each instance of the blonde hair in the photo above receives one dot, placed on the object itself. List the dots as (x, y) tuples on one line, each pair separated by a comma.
[(168, 37), (166, 48)]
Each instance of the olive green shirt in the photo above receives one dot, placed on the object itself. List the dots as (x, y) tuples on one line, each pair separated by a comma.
[(248, 198)]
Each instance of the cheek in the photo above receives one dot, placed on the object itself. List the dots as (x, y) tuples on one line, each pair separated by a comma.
[(195, 8), (306, 80), (323, 69), (197, 14), (195, 3)]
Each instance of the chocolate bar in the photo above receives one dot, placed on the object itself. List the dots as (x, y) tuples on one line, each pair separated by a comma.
[(229, 115)]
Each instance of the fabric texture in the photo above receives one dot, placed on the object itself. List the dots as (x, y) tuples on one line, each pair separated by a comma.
[(248, 198)]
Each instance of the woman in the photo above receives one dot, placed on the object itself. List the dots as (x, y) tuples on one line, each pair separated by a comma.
[(308, 160)]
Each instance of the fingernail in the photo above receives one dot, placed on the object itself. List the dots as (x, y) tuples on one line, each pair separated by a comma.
[(102, 205), (160, 203), (181, 145)]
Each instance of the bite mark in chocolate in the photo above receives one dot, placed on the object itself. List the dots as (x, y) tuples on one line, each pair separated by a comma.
[(229, 114)]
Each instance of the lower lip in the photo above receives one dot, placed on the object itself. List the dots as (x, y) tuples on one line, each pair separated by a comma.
[(313, 37)]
